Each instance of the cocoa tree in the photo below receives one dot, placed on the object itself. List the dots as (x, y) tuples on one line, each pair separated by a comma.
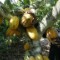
[(18, 19)]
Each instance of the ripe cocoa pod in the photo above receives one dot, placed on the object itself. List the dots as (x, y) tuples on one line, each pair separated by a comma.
[(32, 33), (51, 34), (27, 20), (14, 22)]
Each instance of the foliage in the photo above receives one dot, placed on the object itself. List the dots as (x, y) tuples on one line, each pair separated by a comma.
[(10, 8)]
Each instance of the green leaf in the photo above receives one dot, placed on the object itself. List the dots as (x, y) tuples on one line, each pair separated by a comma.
[(26, 3), (6, 22), (8, 2)]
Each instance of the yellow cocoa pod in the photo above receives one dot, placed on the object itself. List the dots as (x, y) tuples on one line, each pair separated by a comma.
[(14, 22), (51, 33), (39, 57), (26, 46), (11, 32), (45, 58), (27, 20), (17, 32), (32, 33), (31, 58)]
